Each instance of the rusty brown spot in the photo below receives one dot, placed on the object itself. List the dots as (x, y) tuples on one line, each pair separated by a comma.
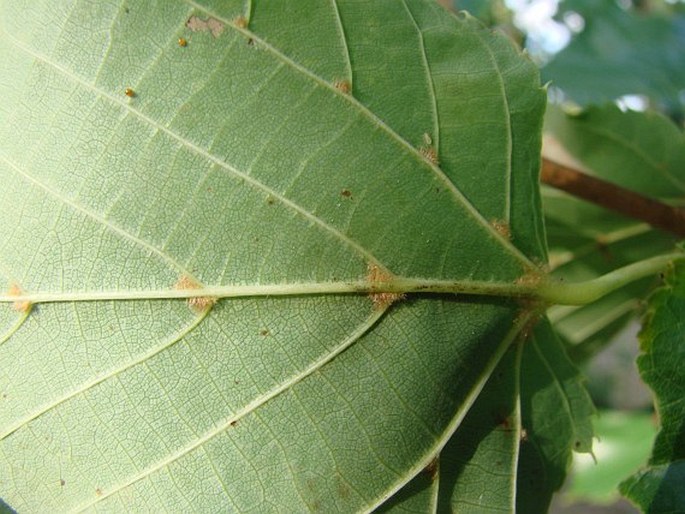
[(62, 482), (182, 41), (98, 492), (198, 303), (264, 332), (234, 423), (211, 25), (432, 469), (19, 306), (346, 193), (502, 228), (240, 22), (430, 153), (505, 423), (129, 92), (377, 277), (343, 86)]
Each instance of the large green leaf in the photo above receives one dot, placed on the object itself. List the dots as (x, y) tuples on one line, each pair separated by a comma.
[(659, 488), (273, 145)]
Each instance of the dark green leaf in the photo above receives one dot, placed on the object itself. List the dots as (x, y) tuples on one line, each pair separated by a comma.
[(478, 465), (658, 489), (556, 418), (661, 487)]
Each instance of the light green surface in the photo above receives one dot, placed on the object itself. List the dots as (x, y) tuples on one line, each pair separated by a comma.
[(229, 165)]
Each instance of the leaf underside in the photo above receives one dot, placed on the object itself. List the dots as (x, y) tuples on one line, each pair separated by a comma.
[(143, 144)]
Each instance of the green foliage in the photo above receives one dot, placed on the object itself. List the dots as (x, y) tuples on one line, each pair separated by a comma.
[(643, 151), (240, 157), (310, 153), (659, 487), (621, 52)]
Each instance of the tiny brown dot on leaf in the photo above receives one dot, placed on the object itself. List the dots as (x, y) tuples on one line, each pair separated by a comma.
[(129, 92), (62, 482), (346, 193), (234, 423), (98, 492), (264, 332), (182, 41)]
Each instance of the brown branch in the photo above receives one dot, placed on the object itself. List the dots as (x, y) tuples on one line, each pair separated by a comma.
[(616, 198)]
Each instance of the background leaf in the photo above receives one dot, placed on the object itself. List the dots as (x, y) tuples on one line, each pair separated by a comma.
[(641, 151), (659, 487), (619, 52), (249, 155)]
